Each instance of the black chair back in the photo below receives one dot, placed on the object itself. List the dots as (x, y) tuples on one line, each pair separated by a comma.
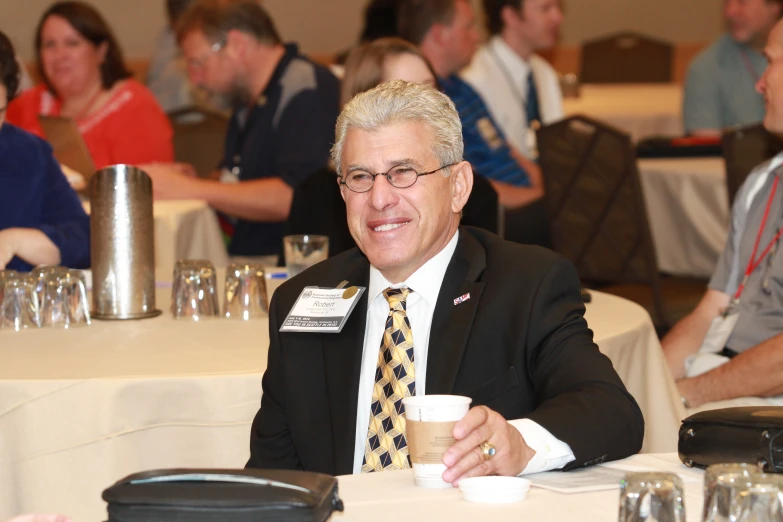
[(744, 148), (596, 207), (626, 57)]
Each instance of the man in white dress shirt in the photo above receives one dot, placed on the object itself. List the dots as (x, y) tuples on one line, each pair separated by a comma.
[(448, 310), (521, 89)]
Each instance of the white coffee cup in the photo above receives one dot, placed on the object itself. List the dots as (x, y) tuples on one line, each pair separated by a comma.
[(429, 423)]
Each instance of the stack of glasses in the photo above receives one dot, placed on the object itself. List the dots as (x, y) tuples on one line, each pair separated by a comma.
[(194, 291), (732, 493), (49, 296)]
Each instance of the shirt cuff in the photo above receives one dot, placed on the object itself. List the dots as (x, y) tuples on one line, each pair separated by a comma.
[(551, 453)]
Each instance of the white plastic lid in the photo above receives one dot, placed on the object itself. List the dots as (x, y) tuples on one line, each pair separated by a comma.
[(494, 490)]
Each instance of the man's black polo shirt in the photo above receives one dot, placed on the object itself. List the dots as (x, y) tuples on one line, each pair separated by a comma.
[(287, 134)]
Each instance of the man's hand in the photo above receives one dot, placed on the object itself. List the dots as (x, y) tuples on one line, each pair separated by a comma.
[(8, 246), (172, 180), (465, 459)]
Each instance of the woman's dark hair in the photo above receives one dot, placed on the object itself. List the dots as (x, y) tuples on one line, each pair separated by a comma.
[(9, 67), (91, 25)]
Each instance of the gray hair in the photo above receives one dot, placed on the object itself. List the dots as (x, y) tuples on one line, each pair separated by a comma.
[(398, 102)]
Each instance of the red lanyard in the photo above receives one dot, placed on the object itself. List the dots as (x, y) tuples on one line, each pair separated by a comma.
[(754, 262), (750, 67)]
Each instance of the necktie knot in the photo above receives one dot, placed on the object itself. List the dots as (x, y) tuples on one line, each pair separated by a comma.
[(397, 298)]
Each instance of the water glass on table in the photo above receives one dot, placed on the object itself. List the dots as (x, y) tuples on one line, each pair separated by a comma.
[(651, 497), (245, 292), (19, 306), (303, 251), (65, 301), (742, 496), (734, 472), (194, 290)]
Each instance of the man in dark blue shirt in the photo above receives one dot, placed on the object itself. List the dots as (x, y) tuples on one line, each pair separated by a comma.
[(446, 32), (280, 132)]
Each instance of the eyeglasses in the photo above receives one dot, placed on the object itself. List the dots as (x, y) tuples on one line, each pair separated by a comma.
[(399, 176), (198, 63)]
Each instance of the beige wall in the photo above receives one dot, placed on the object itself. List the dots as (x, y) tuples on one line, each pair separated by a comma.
[(330, 25)]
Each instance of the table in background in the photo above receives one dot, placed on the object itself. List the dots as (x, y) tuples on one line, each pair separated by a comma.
[(642, 110), (384, 497), (185, 229), (81, 408), (688, 210)]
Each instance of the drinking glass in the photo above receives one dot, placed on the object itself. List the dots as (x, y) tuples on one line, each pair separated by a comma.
[(65, 301), (735, 471), (303, 251), (194, 290), (651, 497), (19, 306), (741, 497), (245, 292)]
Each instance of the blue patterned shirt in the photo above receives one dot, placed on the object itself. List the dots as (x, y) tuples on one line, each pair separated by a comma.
[(486, 148)]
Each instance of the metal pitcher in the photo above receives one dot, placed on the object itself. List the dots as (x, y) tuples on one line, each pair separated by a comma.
[(122, 244)]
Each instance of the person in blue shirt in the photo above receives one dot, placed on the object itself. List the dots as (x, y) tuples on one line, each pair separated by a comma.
[(720, 88), (42, 221), (447, 35)]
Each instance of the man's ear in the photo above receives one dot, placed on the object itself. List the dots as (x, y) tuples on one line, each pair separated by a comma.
[(510, 15), (461, 185), (342, 188), (236, 43)]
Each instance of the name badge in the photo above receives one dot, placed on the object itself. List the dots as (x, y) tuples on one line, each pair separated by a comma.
[(708, 358), (322, 310)]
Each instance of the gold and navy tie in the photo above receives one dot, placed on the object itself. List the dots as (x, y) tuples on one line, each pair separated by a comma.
[(387, 447)]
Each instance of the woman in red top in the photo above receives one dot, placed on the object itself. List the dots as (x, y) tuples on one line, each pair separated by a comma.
[(85, 78)]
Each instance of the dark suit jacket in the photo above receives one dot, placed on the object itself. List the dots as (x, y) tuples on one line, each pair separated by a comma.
[(519, 345)]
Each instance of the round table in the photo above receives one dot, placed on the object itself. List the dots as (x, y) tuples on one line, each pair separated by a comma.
[(641, 110), (382, 497), (688, 211), (81, 408)]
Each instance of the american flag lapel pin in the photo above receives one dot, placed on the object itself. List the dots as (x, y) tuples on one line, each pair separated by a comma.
[(461, 299)]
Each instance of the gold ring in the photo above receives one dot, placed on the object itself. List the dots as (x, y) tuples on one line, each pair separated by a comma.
[(487, 449)]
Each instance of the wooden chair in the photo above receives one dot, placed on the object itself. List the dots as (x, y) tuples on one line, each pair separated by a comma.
[(626, 57), (598, 218), (744, 148), (199, 135)]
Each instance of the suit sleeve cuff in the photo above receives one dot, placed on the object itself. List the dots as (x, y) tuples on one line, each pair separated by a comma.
[(551, 453)]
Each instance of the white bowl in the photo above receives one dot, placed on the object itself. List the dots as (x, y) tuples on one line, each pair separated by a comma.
[(494, 490)]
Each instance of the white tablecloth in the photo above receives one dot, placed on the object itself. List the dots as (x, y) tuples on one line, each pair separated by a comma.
[(185, 230), (391, 496), (80, 409), (688, 209), (641, 110), (624, 332)]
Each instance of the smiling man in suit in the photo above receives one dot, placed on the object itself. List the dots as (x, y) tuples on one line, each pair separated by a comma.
[(448, 310)]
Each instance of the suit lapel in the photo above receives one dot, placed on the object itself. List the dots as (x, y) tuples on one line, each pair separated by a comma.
[(451, 324), (342, 361)]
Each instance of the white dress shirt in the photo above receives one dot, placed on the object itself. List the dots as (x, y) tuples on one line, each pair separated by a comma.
[(425, 283), (499, 75)]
